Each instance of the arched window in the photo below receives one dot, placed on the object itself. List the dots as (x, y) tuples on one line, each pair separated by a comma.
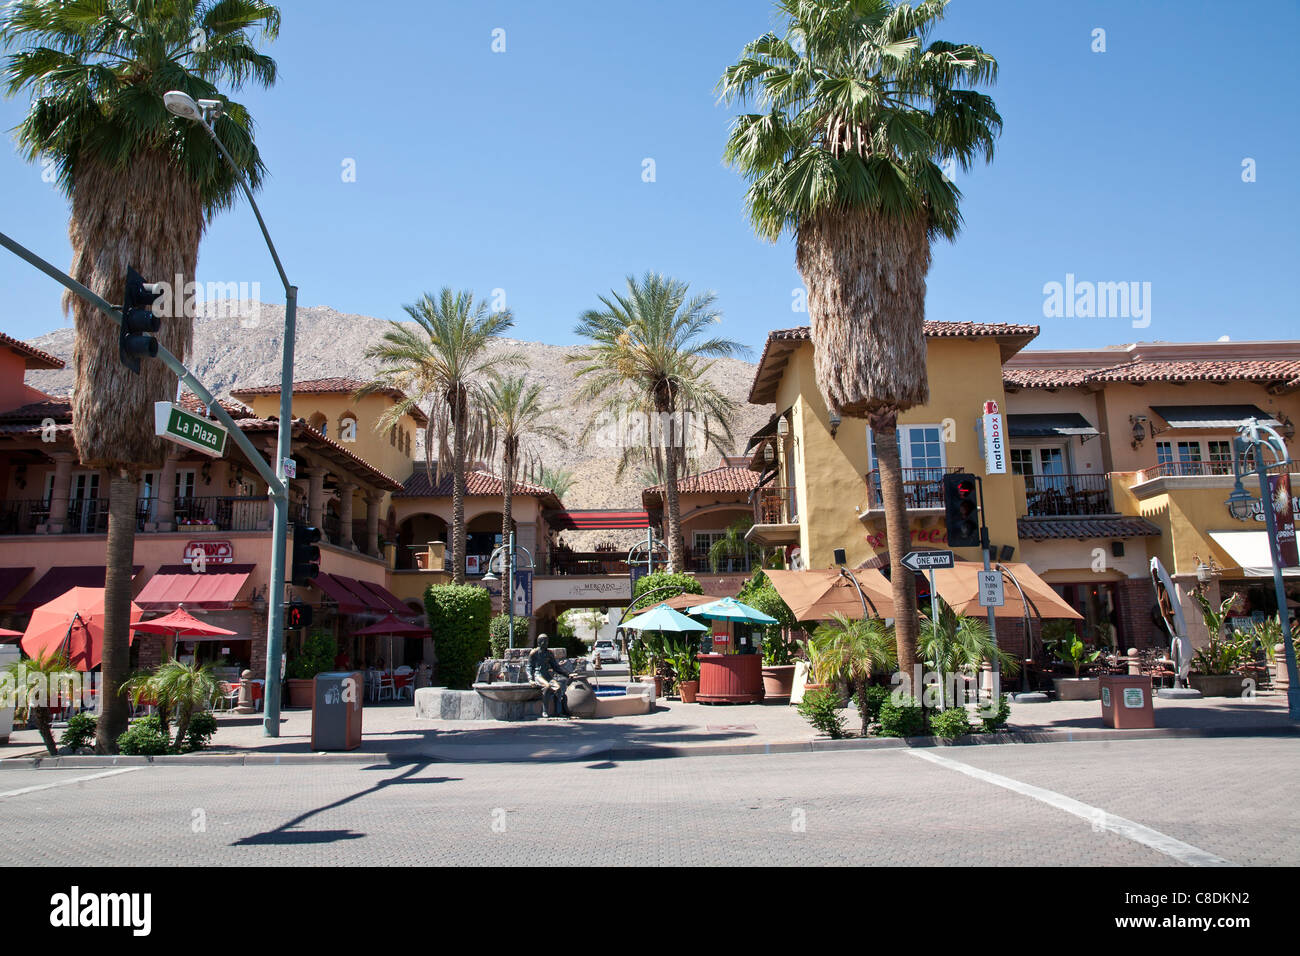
[(348, 427), (320, 423)]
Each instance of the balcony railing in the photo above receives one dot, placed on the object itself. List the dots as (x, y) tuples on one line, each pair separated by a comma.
[(772, 505), (90, 515), (1066, 495), (698, 560), (587, 562), (922, 488), (1187, 469)]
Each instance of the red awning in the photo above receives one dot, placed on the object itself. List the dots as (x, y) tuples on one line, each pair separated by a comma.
[(10, 578), (598, 520), (60, 580), (369, 599), (213, 590), (393, 603), (333, 588)]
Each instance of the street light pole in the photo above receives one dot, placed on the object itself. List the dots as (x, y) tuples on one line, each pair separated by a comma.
[(203, 113)]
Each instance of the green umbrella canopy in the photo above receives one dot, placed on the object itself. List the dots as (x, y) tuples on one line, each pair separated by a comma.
[(729, 609), (663, 618)]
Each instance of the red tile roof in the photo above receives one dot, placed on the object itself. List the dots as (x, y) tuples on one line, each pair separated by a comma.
[(478, 484), (191, 403), (726, 480), (1283, 373), (1039, 529), (60, 409), (777, 349), (332, 386), (36, 358)]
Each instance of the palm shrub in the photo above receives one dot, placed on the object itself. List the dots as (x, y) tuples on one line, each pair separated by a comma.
[(850, 651), (188, 689), (37, 685), (954, 643), (858, 112), (821, 708), (870, 699), (459, 615), (79, 732), (142, 186)]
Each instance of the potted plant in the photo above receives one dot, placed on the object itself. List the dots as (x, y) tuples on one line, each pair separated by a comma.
[(778, 652), (316, 656), (1214, 666), (1072, 651), (686, 669)]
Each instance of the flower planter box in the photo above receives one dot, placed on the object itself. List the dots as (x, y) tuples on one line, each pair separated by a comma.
[(301, 692), (1077, 688), (1216, 685), (778, 680)]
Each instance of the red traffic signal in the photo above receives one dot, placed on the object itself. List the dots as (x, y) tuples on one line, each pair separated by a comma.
[(961, 510)]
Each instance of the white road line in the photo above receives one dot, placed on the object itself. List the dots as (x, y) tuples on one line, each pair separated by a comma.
[(64, 783), (1099, 818)]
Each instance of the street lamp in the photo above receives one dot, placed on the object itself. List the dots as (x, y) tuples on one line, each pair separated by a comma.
[(508, 591), (204, 112), (1253, 438)]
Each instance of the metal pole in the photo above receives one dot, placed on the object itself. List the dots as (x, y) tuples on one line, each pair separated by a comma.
[(993, 624), (279, 517), (1279, 587)]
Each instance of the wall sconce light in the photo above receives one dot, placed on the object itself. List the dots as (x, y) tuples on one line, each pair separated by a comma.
[(1286, 427), (768, 454), (782, 426), (835, 422), (1139, 423)]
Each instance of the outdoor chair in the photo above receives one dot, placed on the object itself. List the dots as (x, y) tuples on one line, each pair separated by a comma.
[(227, 696)]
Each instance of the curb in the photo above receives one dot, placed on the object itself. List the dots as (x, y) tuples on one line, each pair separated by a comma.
[(643, 752)]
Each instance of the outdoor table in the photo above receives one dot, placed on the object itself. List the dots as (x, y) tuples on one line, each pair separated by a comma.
[(730, 678)]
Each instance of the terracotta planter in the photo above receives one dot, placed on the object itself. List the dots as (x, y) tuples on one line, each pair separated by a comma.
[(778, 680), (1216, 685), (300, 692), (1077, 688), (688, 688)]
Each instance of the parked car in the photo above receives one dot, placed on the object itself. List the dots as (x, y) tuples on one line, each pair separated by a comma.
[(606, 651)]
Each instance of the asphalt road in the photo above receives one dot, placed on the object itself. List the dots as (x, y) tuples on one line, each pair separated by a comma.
[(1143, 802)]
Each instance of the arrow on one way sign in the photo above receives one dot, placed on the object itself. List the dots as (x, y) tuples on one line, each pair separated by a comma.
[(927, 560)]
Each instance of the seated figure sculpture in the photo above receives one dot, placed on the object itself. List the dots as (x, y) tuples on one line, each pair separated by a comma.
[(544, 670)]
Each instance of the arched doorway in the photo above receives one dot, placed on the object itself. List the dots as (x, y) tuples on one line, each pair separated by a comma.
[(414, 533)]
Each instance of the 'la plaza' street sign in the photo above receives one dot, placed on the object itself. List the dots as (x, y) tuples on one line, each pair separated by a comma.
[(185, 428), (927, 560)]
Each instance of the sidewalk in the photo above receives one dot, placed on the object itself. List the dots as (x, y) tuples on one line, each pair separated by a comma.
[(677, 729)]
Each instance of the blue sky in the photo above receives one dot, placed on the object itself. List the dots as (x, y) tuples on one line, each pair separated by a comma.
[(522, 170)]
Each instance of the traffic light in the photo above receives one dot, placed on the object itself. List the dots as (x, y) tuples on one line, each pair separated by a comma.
[(297, 615), (961, 510), (306, 556), (138, 321)]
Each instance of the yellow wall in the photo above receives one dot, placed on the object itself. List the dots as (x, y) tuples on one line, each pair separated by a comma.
[(830, 472)]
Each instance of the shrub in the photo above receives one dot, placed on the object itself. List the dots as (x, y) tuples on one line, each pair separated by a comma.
[(759, 594), (997, 722), (144, 737), (458, 615), (79, 732), (499, 634), (902, 717), (821, 708), (199, 733), (870, 699), (317, 655), (673, 584), (950, 723)]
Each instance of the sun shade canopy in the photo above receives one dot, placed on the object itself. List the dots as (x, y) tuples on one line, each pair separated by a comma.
[(175, 584), (1211, 416), (1047, 425)]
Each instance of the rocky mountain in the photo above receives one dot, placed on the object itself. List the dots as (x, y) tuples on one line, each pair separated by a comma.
[(237, 344)]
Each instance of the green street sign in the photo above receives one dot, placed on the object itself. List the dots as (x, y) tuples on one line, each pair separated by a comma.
[(185, 428)]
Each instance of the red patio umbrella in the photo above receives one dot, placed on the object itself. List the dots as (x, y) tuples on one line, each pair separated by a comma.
[(74, 623), (393, 627), (181, 623), (5, 633)]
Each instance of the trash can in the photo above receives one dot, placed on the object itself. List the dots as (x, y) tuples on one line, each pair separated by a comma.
[(336, 711), (1126, 701)]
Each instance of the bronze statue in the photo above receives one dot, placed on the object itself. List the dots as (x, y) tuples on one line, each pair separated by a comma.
[(544, 669)]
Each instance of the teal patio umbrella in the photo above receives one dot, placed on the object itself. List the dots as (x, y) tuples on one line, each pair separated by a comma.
[(663, 618), (729, 609)]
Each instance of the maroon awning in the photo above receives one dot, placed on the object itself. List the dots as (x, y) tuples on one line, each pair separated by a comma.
[(391, 600), (60, 580), (10, 578), (598, 520), (334, 589), (370, 601)]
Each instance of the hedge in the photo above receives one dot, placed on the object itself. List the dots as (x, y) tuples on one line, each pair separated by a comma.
[(458, 615), (683, 583), (499, 633)]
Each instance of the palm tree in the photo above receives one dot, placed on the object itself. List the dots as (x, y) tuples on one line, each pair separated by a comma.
[(731, 545), (859, 113), (37, 683), (850, 650), (446, 357), (516, 415), (953, 642), (178, 689), (648, 362), (557, 481), (143, 185)]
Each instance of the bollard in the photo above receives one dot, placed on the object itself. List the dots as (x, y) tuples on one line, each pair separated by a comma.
[(1134, 661), (1281, 679), (245, 705), (986, 681)]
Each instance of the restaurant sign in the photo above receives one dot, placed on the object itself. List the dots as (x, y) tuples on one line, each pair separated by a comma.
[(199, 554), (995, 452)]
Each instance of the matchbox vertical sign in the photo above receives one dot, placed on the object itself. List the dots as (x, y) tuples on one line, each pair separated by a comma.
[(1279, 499), (995, 450)]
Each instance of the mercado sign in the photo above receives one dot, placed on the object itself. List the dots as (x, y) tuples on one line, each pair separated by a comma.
[(185, 428)]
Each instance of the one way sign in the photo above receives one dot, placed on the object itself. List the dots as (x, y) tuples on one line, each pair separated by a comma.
[(927, 560)]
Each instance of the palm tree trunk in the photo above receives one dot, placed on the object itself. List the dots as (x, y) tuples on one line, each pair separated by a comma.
[(458, 498), (673, 506), (43, 727), (897, 533), (507, 522), (117, 610)]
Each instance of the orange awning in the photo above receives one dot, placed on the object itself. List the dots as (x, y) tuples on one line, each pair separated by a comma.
[(816, 595), (175, 584), (959, 587)]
